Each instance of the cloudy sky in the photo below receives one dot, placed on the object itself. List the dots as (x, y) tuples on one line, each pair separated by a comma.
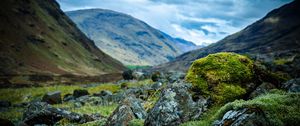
[(199, 21)]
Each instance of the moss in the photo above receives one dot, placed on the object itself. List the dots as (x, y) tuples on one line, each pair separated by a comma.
[(227, 92), (206, 119), (280, 108), (221, 74), (282, 61), (136, 122)]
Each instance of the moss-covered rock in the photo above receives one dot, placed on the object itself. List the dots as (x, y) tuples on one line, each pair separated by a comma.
[(280, 108), (222, 76)]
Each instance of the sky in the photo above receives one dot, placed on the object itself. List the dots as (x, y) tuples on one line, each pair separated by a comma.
[(199, 21)]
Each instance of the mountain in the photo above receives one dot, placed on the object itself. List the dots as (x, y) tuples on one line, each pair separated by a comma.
[(38, 38), (182, 44), (126, 38), (274, 38), (185, 45)]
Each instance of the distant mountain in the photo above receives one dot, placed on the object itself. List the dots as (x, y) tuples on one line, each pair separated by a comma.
[(126, 38), (37, 38), (274, 38)]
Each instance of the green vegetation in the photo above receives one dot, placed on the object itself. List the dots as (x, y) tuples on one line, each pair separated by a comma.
[(132, 67), (18, 95), (136, 122), (282, 61), (227, 92), (105, 110), (224, 72), (206, 119), (279, 107)]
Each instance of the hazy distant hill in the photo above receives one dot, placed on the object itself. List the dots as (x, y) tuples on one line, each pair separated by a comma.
[(38, 38), (128, 39), (274, 38)]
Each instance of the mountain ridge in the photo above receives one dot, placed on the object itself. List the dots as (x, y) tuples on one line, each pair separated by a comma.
[(125, 37)]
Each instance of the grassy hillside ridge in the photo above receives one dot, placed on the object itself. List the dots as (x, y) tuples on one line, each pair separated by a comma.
[(126, 38), (38, 38)]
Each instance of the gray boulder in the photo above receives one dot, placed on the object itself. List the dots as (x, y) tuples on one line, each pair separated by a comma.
[(175, 106), (138, 75), (262, 89), (52, 97), (128, 110), (43, 113), (5, 104), (292, 85), (103, 93), (80, 92), (243, 117), (174, 76), (68, 97)]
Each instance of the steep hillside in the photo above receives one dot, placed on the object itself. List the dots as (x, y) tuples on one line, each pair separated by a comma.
[(38, 38), (126, 38), (274, 39)]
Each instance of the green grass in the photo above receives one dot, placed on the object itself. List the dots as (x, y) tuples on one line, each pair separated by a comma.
[(206, 119), (14, 114), (132, 67), (19, 95), (105, 110), (280, 108), (282, 61)]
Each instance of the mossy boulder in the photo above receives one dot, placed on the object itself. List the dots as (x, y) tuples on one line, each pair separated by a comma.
[(279, 108), (223, 76)]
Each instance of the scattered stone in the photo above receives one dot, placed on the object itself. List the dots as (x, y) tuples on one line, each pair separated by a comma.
[(5, 122), (138, 75), (5, 104), (156, 76), (43, 113), (52, 97), (292, 85), (78, 104), (175, 76), (262, 89), (80, 92), (127, 75), (156, 86), (175, 106), (128, 110), (103, 93), (68, 97), (243, 117)]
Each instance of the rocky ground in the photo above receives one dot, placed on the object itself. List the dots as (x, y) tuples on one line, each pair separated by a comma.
[(156, 99)]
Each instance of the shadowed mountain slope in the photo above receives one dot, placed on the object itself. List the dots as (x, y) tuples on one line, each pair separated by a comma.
[(38, 38)]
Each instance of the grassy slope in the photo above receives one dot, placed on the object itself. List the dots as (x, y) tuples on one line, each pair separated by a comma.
[(38, 38)]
